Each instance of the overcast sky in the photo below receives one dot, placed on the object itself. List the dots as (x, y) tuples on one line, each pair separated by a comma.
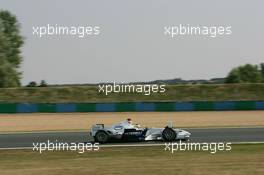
[(132, 45)]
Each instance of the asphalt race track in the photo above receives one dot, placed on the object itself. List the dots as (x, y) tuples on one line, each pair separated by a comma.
[(16, 140)]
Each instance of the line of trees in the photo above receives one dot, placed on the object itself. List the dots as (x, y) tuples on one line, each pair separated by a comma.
[(246, 74), (10, 44), (42, 83)]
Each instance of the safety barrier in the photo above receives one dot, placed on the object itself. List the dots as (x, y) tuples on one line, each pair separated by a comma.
[(131, 106)]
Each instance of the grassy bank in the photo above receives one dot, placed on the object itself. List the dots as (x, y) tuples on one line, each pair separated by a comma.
[(173, 93), (242, 159)]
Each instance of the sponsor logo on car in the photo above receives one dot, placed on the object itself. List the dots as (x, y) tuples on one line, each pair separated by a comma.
[(133, 133)]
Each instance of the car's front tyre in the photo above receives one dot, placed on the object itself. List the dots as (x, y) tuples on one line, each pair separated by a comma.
[(168, 134)]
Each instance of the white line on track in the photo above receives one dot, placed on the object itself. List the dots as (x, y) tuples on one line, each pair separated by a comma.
[(17, 148)]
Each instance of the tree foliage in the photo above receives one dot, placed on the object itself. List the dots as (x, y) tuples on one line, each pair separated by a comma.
[(245, 74), (262, 69), (43, 83), (10, 43), (32, 84)]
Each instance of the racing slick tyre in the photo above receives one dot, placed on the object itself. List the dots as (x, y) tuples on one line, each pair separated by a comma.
[(168, 134), (101, 137)]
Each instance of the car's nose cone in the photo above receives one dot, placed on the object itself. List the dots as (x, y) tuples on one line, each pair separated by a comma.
[(186, 133)]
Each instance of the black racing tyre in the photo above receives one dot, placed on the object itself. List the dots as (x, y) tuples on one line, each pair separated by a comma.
[(168, 134), (101, 137)]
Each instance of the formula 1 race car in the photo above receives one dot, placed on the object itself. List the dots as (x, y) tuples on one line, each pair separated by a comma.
[(126, 132)]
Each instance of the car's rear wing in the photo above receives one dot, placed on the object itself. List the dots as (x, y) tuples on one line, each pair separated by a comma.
[(96, 128)]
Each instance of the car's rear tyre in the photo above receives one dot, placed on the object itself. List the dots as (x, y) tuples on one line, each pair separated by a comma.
[(168, 134), (101, 137)]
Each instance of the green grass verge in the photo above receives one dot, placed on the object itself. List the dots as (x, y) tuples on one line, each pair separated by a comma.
[(206, 92), (242, 159)]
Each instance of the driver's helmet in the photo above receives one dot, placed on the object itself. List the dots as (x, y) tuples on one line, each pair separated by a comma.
[(129, 120)]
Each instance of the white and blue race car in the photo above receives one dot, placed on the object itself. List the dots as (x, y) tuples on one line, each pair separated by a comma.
[(126, 132)]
